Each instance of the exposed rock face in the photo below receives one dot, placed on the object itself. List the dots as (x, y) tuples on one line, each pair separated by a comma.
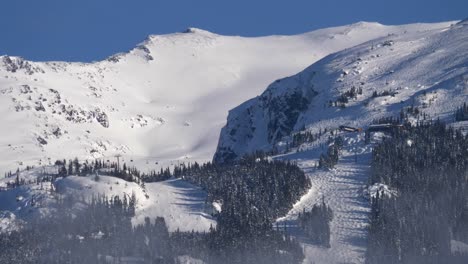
[(14, 64), (146, 51), (39, 106), (27, 98), (101, 117), (41, 141), (261, 122)]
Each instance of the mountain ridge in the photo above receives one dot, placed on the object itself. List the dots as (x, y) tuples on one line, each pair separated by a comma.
[(395, 63), (173, 91)]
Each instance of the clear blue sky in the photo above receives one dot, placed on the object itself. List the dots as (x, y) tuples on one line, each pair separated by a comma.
[(87, 30)]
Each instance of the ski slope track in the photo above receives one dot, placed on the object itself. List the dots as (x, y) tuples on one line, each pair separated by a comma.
[(343, 190), (163, 102)]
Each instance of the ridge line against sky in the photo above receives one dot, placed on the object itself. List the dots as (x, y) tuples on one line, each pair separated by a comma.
[(91, 30)]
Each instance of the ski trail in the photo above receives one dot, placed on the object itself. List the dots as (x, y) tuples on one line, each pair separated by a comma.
[(342, 189)]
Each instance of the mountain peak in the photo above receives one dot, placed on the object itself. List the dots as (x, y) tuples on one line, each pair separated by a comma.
[(196, 31), (463, 22), (366, 24)]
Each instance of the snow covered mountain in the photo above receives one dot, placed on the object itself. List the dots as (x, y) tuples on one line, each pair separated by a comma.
[(418, 74), (426, 69), (164, 101)]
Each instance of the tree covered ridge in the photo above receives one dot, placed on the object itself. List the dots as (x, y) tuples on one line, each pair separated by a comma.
[(270, 185)]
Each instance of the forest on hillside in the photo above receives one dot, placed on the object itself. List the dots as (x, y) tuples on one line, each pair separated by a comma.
[(253, 192), (427, 167)]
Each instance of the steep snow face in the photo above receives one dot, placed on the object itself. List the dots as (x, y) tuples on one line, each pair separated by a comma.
[(427, 69), (162, 102)]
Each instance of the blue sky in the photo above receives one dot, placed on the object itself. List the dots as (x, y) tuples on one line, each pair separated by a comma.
[(87, 30)]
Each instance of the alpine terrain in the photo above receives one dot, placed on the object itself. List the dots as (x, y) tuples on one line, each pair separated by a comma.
[(195, 147)]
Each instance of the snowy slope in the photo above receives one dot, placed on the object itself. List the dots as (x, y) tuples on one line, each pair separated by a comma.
[(427, 69), (343, 190), (163, 102), (180, 203)]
